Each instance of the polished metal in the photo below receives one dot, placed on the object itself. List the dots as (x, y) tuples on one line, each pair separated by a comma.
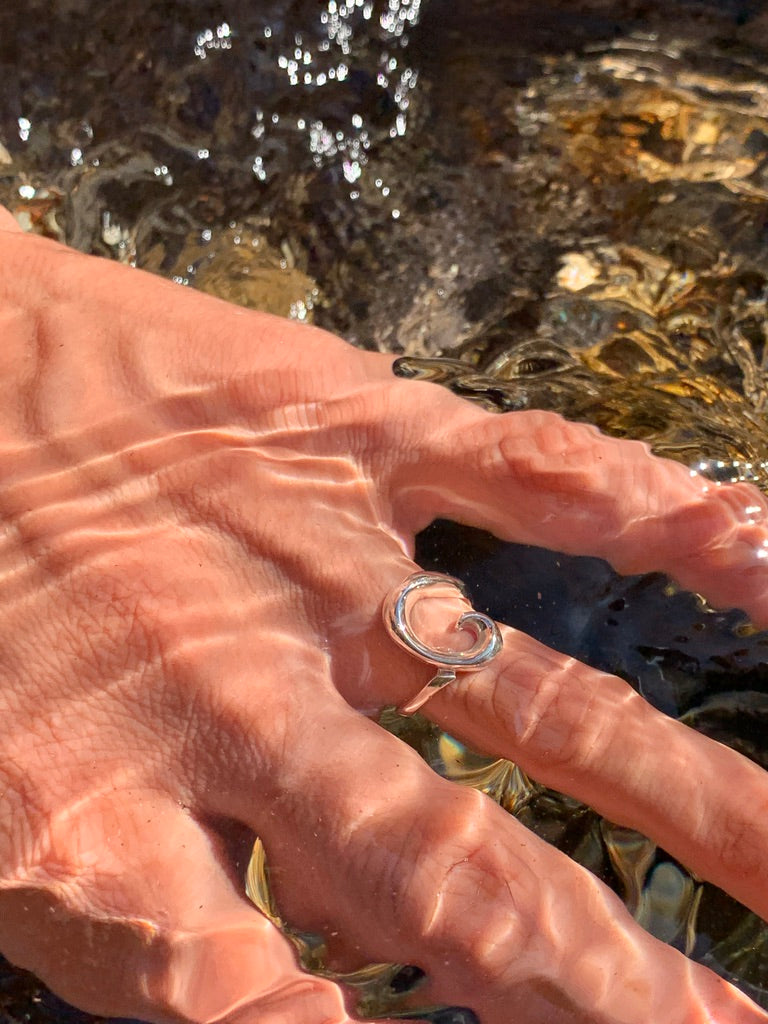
[(488, 641)]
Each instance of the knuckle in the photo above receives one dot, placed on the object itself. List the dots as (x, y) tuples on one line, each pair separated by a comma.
[(554, 450), (465, 875), (738, 847), (544, 702)]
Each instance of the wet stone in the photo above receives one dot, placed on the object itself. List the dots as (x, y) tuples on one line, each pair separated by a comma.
[(567, 211)]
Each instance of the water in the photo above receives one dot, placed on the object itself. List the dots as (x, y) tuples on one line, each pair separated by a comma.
[(559, 205)]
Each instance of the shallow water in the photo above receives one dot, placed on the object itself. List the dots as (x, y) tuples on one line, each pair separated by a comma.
[(569, 209)]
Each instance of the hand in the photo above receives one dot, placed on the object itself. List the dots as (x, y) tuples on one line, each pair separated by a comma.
[(202, 510)]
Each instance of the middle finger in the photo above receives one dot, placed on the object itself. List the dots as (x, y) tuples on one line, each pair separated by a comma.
[(590, 735)]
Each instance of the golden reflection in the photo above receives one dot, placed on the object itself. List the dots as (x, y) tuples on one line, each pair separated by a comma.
[(257, 885), (651, 133), (637, 168), (372, 985), (632, 855), (238, 263), (39, 210), (656, 337)]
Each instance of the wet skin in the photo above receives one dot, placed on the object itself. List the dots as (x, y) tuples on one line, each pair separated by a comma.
[(201, 510)]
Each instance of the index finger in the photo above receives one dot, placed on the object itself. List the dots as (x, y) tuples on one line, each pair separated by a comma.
[(533, 477)]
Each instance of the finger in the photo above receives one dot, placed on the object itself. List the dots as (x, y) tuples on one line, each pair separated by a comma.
[(367, 845), (131, 911), (535, 478), (588, 734)]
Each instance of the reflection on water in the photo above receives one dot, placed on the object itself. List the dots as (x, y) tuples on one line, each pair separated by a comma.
[(582, 231), (653, 324)]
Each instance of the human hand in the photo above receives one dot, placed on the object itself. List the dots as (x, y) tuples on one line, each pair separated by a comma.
[(202, 511)]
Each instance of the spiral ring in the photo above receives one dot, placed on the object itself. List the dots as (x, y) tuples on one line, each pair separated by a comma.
[(487, 644)]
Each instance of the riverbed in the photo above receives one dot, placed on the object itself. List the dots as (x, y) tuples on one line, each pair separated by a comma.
[(551, 205)]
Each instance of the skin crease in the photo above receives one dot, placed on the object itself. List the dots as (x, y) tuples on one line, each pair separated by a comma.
[(201, 510)]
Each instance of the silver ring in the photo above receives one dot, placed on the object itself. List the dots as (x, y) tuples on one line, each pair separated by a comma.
[(487, 643)]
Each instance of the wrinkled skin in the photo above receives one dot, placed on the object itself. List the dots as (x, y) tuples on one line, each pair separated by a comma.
[(201, 510)]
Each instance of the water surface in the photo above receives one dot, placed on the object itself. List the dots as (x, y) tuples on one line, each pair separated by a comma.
[(554, 205)]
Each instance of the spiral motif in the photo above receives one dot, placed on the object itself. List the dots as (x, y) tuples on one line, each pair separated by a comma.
[(487, 643)]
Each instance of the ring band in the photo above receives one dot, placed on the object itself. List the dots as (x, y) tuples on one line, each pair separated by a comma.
[(487, 644)]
